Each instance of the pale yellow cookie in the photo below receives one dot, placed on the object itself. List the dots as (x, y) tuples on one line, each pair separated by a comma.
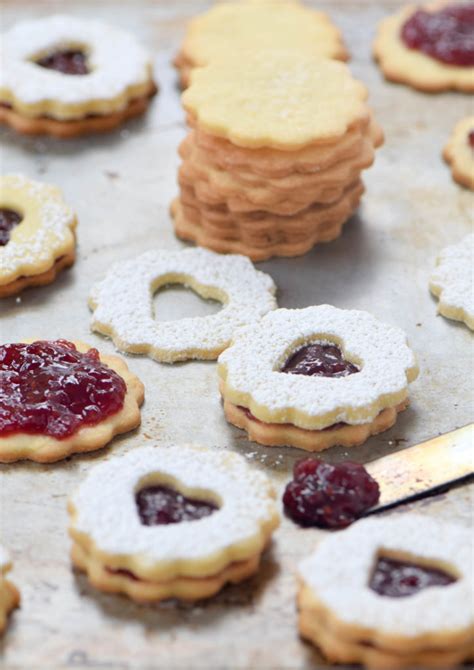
[(9, 595), (459, 152)]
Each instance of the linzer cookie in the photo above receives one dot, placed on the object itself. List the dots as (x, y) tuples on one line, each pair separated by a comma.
[(123, 303), (65, 76), (9, 595), (187, 521), (430, 47), (58, 398), (37, 238), (452, 281), (391, 593), (316, 377), (272, 163), (459, 152), (239, 26)]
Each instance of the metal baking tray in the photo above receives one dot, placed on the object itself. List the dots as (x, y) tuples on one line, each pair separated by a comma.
[(121, 186)]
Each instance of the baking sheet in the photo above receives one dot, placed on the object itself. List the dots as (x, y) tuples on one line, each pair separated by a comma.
[(121, 186)]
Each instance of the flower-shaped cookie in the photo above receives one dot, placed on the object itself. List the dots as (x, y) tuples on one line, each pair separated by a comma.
[(36, 234), (403, 600), (123, 303), (453, 280), (459, 152), (59, 397), (9, 595), (428, 48), (316, 377), (186, 521), (66, 76)]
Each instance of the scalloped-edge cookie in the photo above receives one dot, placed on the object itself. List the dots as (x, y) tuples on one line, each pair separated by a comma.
[(77, 403), (187, 520), (452, 281), (9, 594), (405, 65), (61, 76), (237, 26), (459, 152), (37, 233), (122, 303), (403, 600), (309, 376)]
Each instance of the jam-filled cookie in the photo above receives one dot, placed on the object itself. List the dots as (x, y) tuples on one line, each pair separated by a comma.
[(452, 281), (186, 521), (237, 26), (430, 47), (391, 593), (459, 152), (9, 595), (37, 238), (316, 377), (59, 397), (65, 76), (123, 303)]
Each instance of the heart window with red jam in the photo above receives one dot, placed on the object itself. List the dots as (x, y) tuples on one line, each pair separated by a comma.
[(162, 504), (319, 359), (70, 60), (402, 577), (9, 219)]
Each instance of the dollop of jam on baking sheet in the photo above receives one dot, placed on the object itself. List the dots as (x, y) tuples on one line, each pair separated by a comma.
[(319, 360), (329, 496), (50, 388), (162, 505), (446, 35), (470, 139), (399, 579), (9, 218), (66, 61)]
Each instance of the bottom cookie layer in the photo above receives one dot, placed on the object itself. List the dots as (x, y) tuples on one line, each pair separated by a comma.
[(185, 588), (42, 279), (288, 435), (9, 600)]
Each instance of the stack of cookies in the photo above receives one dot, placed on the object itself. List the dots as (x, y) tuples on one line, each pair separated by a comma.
[(272, 162)]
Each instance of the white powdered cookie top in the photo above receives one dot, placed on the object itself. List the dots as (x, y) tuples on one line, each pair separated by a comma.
[(339, 571), (44, 233), (453, 281), (123, 302), (5, 562), (251, 367), (107, 513), (117, 61)]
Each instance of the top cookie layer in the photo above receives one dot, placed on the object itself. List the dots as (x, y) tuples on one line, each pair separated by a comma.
[(236, 26), (119, 68), (284, 99)]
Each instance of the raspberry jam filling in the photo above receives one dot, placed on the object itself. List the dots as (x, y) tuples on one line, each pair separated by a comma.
[(249, 415), (319, 360), (66, 61), (399, 579), (446, 35), (162, 505), (470, 139), (50, 388), (9, 218), (329, 496)]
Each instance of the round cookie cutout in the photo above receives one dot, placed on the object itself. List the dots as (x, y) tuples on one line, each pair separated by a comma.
[(286, 99), (351, 610), (9, 595), (251, 368), (453, 279), (404, 65), (188, 556), (123, 303), (459, 152), (43, 241)]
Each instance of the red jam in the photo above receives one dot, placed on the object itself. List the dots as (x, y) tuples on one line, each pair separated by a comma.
[(9, 218), (50, 388), (446, 35), (399, 579), (319, 360), (66, 61), (249, 415), (161, 505), (470, 139), (329, 496)]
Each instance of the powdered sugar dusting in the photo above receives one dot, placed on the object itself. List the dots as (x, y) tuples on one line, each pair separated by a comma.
[(123, 302), (4, 560)]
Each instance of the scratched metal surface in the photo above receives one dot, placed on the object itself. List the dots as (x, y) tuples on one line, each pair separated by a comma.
[(121, 186)]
